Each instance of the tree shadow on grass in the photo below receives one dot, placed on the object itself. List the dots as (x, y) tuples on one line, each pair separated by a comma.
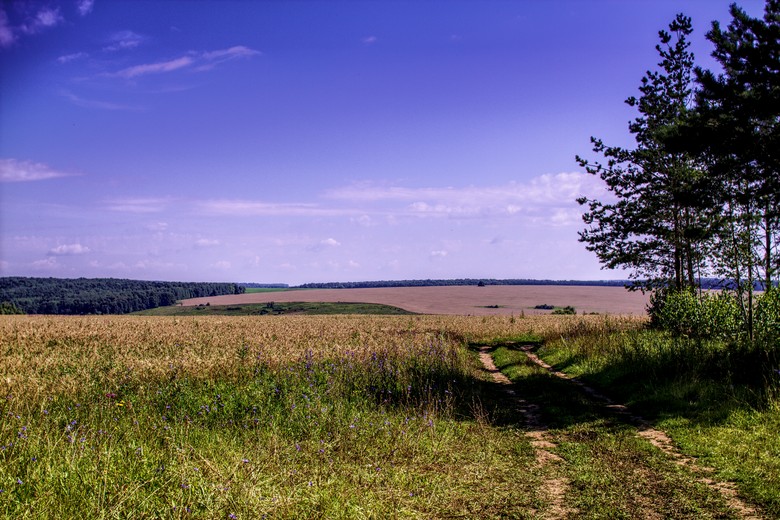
[(556, 403)]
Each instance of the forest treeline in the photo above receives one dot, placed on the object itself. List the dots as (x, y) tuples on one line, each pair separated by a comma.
[(454, 281), (699, 194), (99, 295), (707, 283)]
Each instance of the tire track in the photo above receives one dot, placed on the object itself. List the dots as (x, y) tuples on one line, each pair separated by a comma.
[(554, 488), (657, 438)]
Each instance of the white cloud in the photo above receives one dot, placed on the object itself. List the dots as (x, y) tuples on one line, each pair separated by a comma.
[(369, 40), (7, 36), (138, 205), (331, 242), (222, 264), (34, 22), (545, 195), (438, 254), (257, 208), (48, 264), (155, 68), (12, 170), (43, 19), (214, 58), (159, 265), (196, 61), (363, 220), (157, 226), (69, 249), (85, 6), (205, 242), (67, 58), (124, 40), (94, 103)]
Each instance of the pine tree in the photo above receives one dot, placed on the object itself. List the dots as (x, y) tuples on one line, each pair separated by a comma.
[(739, 126), (657, 224)]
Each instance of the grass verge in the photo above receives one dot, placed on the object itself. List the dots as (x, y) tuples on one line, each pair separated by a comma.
[(613, 473), (715, 401), (275, 309)]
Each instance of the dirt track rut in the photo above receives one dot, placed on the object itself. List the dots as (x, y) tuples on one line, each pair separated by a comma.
[(555, 488)]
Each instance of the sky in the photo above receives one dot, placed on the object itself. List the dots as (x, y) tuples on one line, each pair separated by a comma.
[(314, 141)]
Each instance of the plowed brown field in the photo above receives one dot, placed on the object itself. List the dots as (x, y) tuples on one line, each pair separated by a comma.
[(462, 300)]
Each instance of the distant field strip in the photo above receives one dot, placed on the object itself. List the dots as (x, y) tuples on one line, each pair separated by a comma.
[(461, 300)]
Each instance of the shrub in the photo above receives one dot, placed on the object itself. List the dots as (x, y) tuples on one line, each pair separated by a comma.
[(768, 319), (707, 315)]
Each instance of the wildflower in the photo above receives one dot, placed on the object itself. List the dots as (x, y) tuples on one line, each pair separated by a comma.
[(245, 461), (19, 481), (111, 395), (232, 516)]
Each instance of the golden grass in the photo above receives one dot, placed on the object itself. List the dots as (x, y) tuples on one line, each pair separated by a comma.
[(62, 355)]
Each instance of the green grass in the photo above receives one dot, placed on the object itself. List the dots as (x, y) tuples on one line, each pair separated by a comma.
[(333, 438), (396, 432), (276, 308), (613, 473), (717, 402)]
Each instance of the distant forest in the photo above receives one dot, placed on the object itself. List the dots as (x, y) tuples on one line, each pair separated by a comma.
[(23, 295), (456, 281), (707, 283), (99, 295)]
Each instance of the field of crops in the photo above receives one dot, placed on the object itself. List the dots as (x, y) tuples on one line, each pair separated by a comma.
[(306, 416), (154, 416)]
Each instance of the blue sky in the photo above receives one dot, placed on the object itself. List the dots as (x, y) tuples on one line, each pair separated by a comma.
[(314, 141)]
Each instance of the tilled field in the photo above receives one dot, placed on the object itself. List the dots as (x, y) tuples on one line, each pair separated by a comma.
[(463, 300)]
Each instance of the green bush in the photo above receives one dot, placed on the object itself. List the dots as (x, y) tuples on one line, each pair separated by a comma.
[(706, 315), (768, 319)]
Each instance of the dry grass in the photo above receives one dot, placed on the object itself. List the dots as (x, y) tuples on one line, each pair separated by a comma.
[(44, 355)]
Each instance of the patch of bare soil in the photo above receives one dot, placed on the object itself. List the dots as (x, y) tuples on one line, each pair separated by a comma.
[(553, 488), (460, 300), (661, 441)]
